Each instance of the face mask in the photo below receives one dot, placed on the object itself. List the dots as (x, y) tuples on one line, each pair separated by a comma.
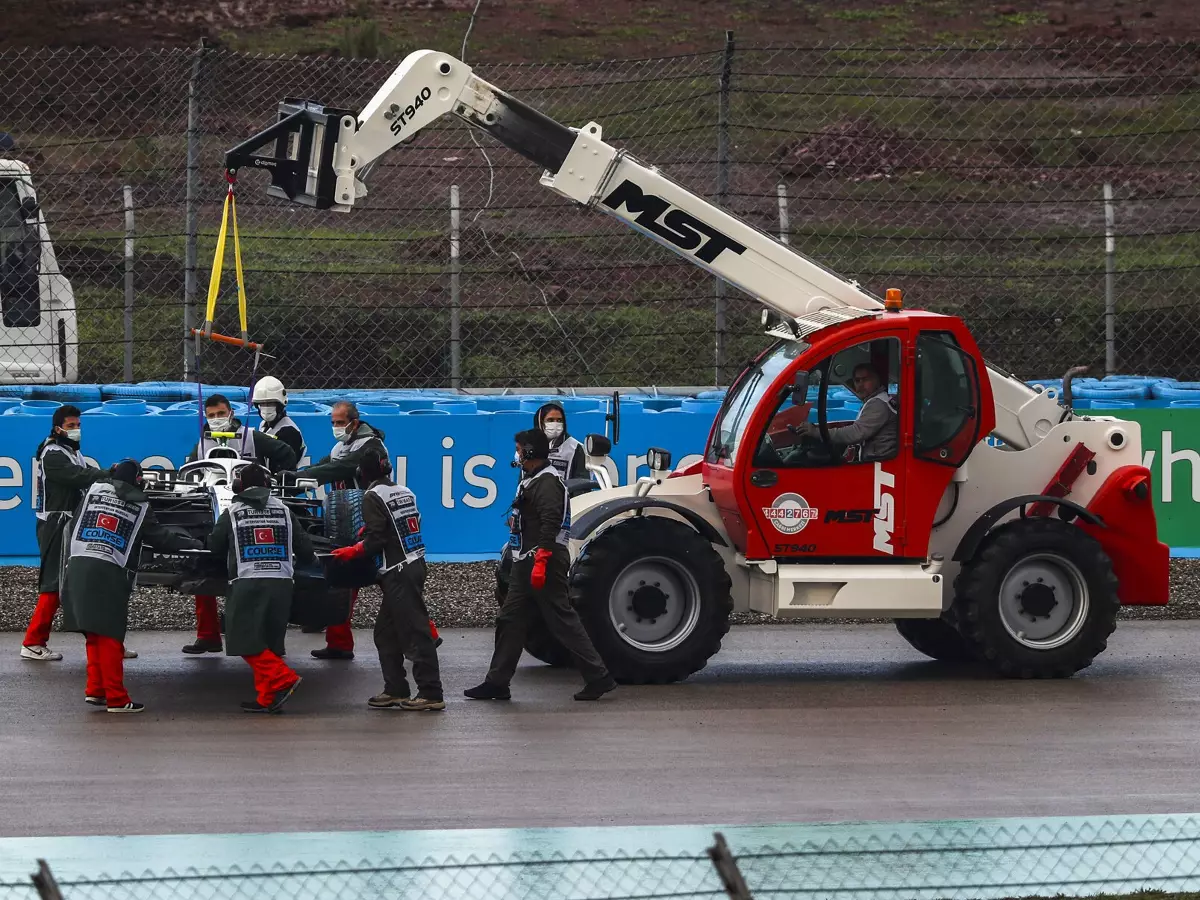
[(219, 424), (340, 433), (269, 414), (72, 434), (553, 429), (516, 462)]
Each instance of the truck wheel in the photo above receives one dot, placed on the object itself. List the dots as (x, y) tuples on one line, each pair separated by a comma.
[(655, 598), (937, 639), (1039, 599), (539, 642)]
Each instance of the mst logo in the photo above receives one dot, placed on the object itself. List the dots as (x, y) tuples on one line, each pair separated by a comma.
[(671, 223), (790, 513), (885, 500), (850, 516)]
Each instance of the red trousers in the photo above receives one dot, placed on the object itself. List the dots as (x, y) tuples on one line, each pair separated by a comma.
[(208, 624), (271, 675), (106, 669), (43, 617), (340, 637)]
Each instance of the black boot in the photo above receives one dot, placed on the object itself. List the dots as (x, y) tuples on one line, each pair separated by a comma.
[(488, 691), (594, 690)]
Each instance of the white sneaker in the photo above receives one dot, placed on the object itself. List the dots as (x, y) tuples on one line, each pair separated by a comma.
[(42, 654), (131, 654), (129, 707)]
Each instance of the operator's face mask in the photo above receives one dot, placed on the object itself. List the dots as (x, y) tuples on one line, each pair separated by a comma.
[(342, 433), (219, 423), (553, 430), (72, 434), (269, 412)]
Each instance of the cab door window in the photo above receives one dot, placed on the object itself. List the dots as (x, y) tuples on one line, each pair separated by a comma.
[(850, 414), (947, 395)]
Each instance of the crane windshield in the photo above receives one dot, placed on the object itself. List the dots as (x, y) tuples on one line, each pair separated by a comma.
[(743, 398)]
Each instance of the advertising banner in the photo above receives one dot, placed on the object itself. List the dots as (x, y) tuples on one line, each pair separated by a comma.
[(459, 466)]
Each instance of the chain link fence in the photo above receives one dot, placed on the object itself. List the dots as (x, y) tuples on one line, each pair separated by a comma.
[(972, 177), (934, 861)]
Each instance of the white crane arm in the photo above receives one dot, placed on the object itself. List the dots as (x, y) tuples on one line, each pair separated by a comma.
[(578, 164)]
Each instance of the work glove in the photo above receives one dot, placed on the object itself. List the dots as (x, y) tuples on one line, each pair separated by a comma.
[(537, 578), (345, 554)]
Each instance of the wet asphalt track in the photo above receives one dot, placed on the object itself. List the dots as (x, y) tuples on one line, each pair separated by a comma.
[(815, 723)]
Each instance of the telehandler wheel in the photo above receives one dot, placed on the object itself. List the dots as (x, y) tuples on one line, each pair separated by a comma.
[(539, 642), (655, 598), (1039, 599), (937, 639)]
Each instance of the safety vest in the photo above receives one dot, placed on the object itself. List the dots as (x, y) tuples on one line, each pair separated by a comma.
[(107, 525), (241, 443), (262, 539), (563, 455), (342, 449), (514, 519), (39, 475), (275, 427), (858, 452), (401, 505)]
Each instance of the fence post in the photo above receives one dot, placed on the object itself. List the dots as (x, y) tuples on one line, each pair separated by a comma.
[(455, 294), (727, 870), (1110, 302), (43, 881), (192, 215), (128, 191), (781, 192), (722, 191)]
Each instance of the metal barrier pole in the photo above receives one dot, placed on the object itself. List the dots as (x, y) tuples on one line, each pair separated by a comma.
[(781, 192), (129, 228), (43, 881), (455, 294), (722, 191), (1110, 302), (192, 216)]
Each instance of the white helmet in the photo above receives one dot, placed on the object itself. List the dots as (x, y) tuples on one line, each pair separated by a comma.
[(269, 390)]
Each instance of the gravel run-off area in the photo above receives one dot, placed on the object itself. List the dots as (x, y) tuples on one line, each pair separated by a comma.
[(462, 595)]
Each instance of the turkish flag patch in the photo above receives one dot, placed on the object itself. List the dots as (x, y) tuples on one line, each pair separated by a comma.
[(264, 535), (414, 524), (107, 522)]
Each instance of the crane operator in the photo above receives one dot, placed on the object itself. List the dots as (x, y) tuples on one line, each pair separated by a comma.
[(875, 432)]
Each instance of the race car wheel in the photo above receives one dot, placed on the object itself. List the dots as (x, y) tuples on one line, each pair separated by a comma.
[(655, 598), (937, 639), (342, 518), (539, 642), (1039, 600)]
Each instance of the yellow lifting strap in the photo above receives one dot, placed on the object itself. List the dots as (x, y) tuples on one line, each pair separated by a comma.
[(214, 281)]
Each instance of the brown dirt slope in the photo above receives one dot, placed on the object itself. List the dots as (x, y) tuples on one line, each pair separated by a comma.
[(552, 30)]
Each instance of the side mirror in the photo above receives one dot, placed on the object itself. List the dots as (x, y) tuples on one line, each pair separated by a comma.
[(615, 418), (597, 445), (658, 460), (799, 388), (29, 209)]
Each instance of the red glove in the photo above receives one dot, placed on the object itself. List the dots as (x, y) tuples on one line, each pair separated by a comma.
[(537, 578), (345, 554)]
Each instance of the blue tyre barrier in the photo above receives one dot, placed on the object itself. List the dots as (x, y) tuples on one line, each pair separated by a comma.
[(1179, 390), (1101, 391), (427, 412), (457, 407), (67, 393), (702, 407), (16, 391), (172, 411), (712, 395), (1185, 404), (128, 407), (1112, 404), (378, 408), (496, 404)]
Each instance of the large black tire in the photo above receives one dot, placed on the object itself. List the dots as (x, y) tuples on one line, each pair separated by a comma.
[(607, 588), (1028, 575), (539, 642), (937, 639)]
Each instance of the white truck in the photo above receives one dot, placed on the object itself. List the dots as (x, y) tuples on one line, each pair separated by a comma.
[(1016, 551), (38, 336)]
